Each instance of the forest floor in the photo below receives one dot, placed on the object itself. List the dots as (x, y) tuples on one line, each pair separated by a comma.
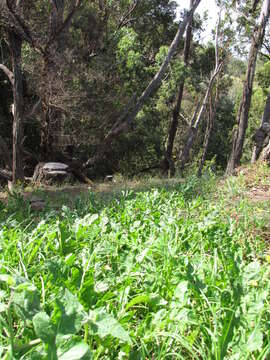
[(153, 269), (56, 196), (251, 182)]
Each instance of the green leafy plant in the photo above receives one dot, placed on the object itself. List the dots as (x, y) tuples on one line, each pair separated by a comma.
[(161, 273)]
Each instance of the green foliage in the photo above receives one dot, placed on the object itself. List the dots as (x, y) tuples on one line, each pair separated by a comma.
[(263, 75), (129, 56), (255, 116), (162, 273)]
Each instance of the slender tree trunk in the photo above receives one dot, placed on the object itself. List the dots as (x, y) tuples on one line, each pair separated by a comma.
[(261, 137), (15, 44), (193, 130), (242, 117), (168, 161), (131, 112), (210, 125)]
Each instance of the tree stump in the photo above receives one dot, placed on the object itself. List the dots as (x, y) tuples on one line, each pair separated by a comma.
[(52, 173)]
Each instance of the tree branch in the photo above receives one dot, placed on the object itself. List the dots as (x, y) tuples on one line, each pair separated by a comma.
[(64, 25), (125, 18), (8, 73)]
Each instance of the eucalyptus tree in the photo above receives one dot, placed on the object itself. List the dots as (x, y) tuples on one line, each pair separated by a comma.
[(168, 161), (199, 112), (243, 111), (135, 105)]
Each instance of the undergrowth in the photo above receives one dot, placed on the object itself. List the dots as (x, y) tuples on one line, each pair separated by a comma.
[(165, 273)]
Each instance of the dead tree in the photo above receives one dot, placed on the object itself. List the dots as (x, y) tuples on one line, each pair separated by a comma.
[(134, 106), (168, 161), (194, 126), (242, 117)]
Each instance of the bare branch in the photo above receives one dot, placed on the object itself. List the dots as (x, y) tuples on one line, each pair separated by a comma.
[(15, 23), (33, 110), (254, 6), (265, 55), (125, 19), (65, 24), (8, 73)]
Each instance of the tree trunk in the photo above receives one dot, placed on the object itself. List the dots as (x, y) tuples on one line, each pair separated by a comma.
[(210, 125), (168, 161), (15, 44), (130, 113), (242, 117), (261, 137), (193, 130)]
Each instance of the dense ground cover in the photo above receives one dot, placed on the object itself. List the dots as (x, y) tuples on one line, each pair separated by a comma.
[(179, 272)]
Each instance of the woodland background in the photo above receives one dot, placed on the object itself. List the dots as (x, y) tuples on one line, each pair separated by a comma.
[(81, 66)]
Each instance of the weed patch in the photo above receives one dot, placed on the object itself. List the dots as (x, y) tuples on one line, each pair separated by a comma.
[(165, 273)]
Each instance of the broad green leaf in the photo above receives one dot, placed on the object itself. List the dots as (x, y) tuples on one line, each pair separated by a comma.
[(69, 314), (44, 329), (251, 272), (26, 300), (79, 351), (229, 324), (140, 299), (180, 293), (104, 324)]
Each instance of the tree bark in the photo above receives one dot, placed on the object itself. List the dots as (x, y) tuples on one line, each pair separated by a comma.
[(131, 112), (261, 137), (242, 117), (168, 161), (15, 44), (210, 125), (193, 130)]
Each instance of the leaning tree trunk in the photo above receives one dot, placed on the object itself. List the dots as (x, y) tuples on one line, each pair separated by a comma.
[(261, 137), (15, 44), (168, 161), (242, 117), (209, 128), (132, 110), (193, 129)]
